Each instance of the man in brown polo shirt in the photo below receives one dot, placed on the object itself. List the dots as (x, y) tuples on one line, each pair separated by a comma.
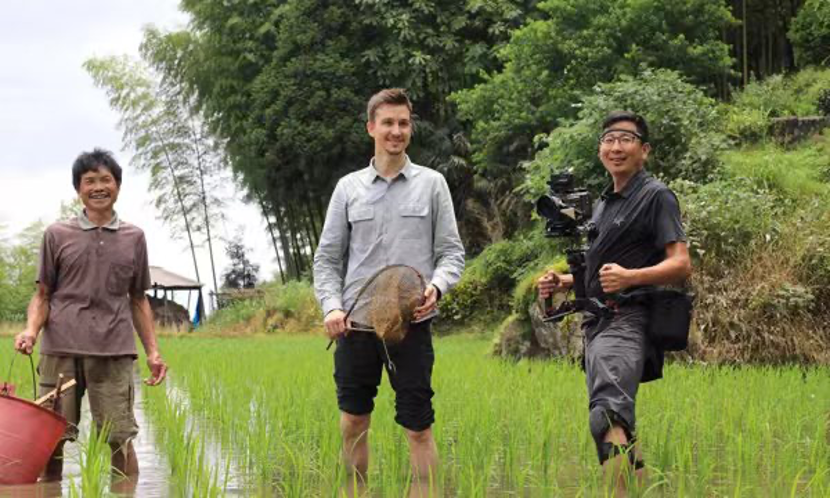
[(89, 299)]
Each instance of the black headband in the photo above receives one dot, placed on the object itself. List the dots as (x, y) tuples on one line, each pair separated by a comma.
[(606, 132)]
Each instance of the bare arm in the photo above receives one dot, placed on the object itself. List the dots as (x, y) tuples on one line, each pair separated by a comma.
[(674, 269), (37, 314), (146, 328)]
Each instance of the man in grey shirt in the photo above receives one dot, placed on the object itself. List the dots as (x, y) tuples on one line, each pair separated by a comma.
[(391, 212), (90, 303)]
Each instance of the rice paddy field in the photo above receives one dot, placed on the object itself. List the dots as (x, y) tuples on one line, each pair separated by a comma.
[(258, 417)]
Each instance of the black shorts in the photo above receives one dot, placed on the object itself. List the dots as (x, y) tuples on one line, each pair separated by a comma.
[(358, 364)]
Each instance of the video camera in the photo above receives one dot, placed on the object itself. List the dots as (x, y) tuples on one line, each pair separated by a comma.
[(566, 209), (567, 213)]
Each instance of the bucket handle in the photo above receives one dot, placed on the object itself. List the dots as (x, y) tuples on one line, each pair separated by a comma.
[(34, 381)]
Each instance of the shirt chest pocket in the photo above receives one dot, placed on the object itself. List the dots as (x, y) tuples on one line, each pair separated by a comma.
[(119, 278), (362, 225), (414, 221)]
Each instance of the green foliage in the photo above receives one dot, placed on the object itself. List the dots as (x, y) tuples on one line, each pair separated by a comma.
[(806, 86), (573, 47), (810, 33), (784, 301), (747, 118), (18, 271), (814, 264), (489, 279), (286, 82), (797, 174), (746, 124), (525, 293), (290, 307), (294, 300), (726, 219), (239, 312), (682, 123), (823, 103)]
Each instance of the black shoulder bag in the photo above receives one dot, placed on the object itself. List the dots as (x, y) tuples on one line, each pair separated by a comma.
[(670, 316)]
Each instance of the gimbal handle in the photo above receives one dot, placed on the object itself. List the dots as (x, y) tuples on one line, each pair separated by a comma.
[(591, 305)]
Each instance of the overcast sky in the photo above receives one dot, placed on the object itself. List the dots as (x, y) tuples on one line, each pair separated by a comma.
[(50, 111)]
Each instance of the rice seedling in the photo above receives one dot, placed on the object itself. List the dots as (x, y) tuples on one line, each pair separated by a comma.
[(506, 428), (95, 465), (192, 472)]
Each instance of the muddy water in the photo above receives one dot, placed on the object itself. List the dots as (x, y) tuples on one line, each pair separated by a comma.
[(153, 480)]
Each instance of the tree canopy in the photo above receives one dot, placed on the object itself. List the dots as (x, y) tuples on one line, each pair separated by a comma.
[(576, 45), (286, 82), (810, 33)]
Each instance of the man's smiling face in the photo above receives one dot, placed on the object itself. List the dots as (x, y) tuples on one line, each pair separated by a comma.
[(621, 149), (98, 190), (391, 129)]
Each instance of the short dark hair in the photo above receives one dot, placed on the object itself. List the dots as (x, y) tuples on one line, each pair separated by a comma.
[(391, 96), (92, 161), (619, 116)]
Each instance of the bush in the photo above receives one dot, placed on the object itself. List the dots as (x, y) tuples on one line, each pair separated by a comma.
[(823, 103), (810, 33), (726, 219), (746, 125), (488, 282), (747, 118), (759, 188), (291, 308), (813, 268), (682, 124), (232, 316)]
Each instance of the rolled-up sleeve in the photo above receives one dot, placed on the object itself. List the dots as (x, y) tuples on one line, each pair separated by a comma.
[(447, 248), (329, 260)]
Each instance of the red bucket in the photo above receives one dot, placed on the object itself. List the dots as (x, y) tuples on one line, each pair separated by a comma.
[(29, 435)]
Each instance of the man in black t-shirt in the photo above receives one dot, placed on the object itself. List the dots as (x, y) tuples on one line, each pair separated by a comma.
[(636, 240)]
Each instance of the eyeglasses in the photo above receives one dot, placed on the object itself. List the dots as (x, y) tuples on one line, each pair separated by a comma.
[(625, 139)]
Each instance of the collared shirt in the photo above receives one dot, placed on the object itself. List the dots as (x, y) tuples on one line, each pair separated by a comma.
[(373, 222), (632, 228), (90, 273)]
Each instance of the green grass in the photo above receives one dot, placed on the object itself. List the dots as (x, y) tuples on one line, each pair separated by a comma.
[(798, 174), (20, 372), (507, 428)]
